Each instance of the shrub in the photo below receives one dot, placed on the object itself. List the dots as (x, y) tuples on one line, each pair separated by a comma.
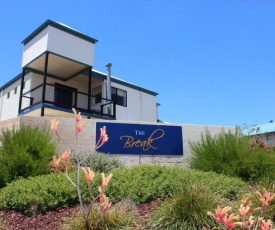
[(39, 194), (146, 183), (232, 154), (141, 184), (101, 162), (120, 216), (186, 210), (25, 152)]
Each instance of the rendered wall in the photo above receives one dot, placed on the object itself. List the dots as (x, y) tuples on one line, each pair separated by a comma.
[(86, 141)]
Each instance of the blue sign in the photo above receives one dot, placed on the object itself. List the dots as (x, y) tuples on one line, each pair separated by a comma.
[(141, 139)]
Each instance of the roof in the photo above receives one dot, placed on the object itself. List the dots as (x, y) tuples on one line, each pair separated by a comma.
[(260, 129), (59, 26)]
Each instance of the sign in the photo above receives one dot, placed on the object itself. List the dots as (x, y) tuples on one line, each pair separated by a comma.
[(141, 139)]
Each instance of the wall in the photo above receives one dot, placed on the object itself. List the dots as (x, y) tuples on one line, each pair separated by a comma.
[(86, 141)]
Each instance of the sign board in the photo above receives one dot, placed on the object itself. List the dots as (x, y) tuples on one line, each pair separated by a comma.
[(141, 139)]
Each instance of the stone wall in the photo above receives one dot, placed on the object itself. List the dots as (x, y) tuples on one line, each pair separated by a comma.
[(86, 139)]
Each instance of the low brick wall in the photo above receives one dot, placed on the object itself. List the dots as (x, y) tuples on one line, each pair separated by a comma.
[(87, 138)]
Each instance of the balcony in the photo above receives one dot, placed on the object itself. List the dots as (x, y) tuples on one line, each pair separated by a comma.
[(59, 100)]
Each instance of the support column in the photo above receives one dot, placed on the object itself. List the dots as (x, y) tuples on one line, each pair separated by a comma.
[(21, 90), (90, 89), (44, 84)]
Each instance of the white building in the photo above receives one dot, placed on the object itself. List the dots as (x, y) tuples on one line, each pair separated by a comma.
[(57, 74)]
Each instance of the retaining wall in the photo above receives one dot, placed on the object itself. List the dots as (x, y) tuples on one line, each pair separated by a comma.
[(87, 137)]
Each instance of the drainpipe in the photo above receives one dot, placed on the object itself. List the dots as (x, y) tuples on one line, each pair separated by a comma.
[(1, 107), (109, 88)]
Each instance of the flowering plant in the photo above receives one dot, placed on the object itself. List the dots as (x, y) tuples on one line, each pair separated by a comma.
[(245, 220), (89, 174)]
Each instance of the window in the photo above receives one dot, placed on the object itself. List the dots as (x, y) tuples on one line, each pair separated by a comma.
[(24, 84), (119, 96), (269, 137), (15, 90), (64, 96), (8, 95), (97, 93)]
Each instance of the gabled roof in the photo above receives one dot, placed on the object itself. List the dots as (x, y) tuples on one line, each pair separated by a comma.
[(261, 129), (59, 26)]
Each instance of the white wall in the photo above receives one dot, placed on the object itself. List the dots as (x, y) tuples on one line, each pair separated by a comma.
[(140, 105), (59, 42)]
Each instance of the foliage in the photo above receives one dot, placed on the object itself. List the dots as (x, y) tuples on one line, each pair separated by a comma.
[(120, 216), (234, 155), (185, 210), (25, 152), (141, 184), (145, 183), (39, 194), (101, 162)]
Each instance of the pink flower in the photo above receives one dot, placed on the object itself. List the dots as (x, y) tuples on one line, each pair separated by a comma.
[(89, 174), (56, 162), (220, 213), (79, 127), (77, 116), (266, 198), (266, 225), (105, 180), (229, 221), (54, 124), (65, 156)]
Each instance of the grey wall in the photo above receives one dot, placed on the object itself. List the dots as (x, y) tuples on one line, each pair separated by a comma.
[(86, 139)]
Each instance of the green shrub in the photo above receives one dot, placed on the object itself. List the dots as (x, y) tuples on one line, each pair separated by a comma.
[(42, 193), (120, 216), (186, 210), (101, 162), (145, 183), (232, 154), (25, 152), (141, 184)]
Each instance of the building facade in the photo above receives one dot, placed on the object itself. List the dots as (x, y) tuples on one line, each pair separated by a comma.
[(57, 75)]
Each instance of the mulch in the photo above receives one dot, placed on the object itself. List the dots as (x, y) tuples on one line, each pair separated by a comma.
[(53, 220)]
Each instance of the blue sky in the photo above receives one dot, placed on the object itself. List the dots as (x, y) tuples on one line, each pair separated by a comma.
[(212, 62)]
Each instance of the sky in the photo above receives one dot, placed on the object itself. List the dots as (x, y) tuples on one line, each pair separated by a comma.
[(212, 62)]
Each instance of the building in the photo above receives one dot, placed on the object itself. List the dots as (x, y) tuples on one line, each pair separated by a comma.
[(57, 74), (264, 132)]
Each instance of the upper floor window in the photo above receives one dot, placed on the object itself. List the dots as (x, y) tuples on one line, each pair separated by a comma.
[(119, 96), (15, 90), (8, 95), (97, 93)]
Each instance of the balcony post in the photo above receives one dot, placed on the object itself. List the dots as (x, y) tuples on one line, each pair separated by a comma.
[(21, 90), (44, 83), (90, 89)]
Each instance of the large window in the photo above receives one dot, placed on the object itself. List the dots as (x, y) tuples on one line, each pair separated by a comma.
[(119, 96), (64, 96)]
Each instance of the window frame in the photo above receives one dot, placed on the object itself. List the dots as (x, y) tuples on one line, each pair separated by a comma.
[(115, 96)]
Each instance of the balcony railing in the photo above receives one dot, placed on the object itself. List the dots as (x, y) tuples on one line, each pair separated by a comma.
[(67, 97)]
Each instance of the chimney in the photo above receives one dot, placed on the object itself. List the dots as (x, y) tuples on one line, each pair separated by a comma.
[(109, 88)]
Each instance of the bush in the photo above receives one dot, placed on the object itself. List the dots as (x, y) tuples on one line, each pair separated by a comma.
[(186, 210), (232, 154), (39, 194), (146, 183), (120, 216), (141, 184), (25, 152), (101, 162)]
